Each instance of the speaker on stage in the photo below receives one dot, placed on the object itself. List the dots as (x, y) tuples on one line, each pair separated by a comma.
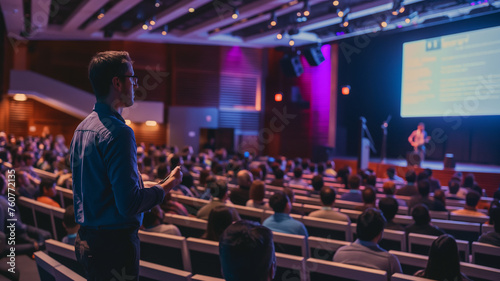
[(413, 159), (314, 56), (292, 67)]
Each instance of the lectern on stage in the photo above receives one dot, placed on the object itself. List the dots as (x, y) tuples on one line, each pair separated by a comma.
[(365, 144)]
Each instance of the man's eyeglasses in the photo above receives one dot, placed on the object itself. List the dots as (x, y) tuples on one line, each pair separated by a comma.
[(135, 79)]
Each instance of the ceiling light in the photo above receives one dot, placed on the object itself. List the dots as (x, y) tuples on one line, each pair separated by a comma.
[(291, 42), (274, 19), (279, 36), (191, 10), (145, 26), (20, 97), (401, 10), (152, 21), (345, 24), (128, 122), (236, 13), (101, 14), (165, 30), (383, 24), (157, 3), (307, 8), (335, 3), (340, 13)]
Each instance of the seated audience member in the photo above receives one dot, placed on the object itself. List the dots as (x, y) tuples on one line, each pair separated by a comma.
[(409, 189), (317, 184), (435, 184), (24, 187), (278, 178), (391, 175), (47, 192), (69, 223), (444, 261), (219, 219), (327, 196), (371, 180), (281, 220), (321, 169), (291, 196), (170, 206), (422, 222), (365, 251), (389, 188), (493, 237), (256, 173), (369, 196), (257, 194), (305, 166), (330, 169), (469, 209), (470, 184), (354, 193), (28, 159), (241, 194), (343, 175), (453, 188), (440, 196), (389, 208), (263, 168), (246, 241), (297, 178), (153, 222), (423, 198), (218, 190), (312, 168)]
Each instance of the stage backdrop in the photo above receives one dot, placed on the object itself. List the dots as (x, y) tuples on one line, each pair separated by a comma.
[(372, 66)]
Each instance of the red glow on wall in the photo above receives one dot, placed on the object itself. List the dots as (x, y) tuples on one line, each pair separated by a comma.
[(278, 97)]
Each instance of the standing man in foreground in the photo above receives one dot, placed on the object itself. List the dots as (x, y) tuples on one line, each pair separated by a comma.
[(108, 192)]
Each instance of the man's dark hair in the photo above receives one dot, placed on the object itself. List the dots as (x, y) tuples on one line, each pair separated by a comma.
[(453, 186), (354, 181), (217, 188), (175, 161), (424, 188), (370, 224), (391, 171), (279, 174), (371, 180), (278, 201), (429, 172), (389, 207), (369, 194), (297, 172), (494, 213), (411, 176), (317, 182), (162, 171), (327, 195), (420, 214), (469, 181), (422, 176), (245, 241), (321, 168), (103, 67), (69, 217), (472, 198)]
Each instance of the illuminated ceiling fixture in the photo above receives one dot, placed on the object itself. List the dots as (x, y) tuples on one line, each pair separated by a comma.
[(291, 42), (128, 122), (145, 26), (336, 3), (307, 8), (165, 30), (236, 13), (191, 10), (151, 123), (101, 14), (274, 19), (157, 4), (279, 36), (152, 21)]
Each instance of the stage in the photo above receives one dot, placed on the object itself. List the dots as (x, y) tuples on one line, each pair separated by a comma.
[(487, 176)]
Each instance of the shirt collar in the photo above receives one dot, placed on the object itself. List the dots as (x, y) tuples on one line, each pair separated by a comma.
[(102, 108), (72, 235), (368, 244), (326, 208), (281, 215)]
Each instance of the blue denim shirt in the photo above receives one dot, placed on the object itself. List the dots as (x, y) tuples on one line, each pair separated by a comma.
[(108, 191)]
